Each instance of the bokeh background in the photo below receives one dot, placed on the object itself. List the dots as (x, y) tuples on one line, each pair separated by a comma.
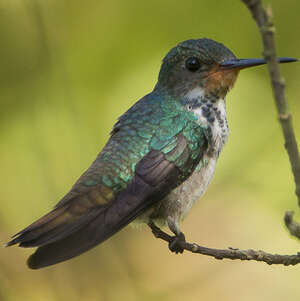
[(68, 69)]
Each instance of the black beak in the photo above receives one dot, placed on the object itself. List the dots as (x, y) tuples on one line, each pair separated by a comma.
[(246, 63)]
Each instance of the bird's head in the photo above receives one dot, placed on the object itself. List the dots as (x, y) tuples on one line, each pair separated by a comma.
[(202, 66)]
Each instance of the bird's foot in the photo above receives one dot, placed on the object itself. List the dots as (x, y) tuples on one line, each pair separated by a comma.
[(174, 244)]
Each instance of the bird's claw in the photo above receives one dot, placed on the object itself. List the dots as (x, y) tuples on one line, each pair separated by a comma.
[(174, 244)]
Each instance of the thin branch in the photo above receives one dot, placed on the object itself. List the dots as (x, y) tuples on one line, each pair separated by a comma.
[(263, 19), (230, 253)]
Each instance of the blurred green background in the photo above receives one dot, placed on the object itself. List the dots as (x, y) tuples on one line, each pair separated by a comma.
[(68, 69)]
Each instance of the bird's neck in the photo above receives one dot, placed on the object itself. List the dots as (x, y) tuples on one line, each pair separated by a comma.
[(199, 96), (188, 92)]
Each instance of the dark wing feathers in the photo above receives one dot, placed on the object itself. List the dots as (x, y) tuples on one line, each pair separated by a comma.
[(85, 220), (154, 168), (135, 199)]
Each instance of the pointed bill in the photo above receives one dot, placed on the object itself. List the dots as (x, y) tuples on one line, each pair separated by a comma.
[(246, 63)]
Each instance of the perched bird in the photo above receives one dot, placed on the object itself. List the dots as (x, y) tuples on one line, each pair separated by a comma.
[(159, 160)]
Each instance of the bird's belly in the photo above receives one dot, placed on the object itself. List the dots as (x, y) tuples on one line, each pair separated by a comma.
[(191, 190), (184, 197), (179, 202)]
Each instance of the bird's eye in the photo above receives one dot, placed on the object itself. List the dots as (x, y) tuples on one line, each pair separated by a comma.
[(192, 64)]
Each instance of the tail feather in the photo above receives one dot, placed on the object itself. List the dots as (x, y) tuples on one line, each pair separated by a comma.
[(59, 232), (57, 224), (38, 224), (70, 246), (105, 224)]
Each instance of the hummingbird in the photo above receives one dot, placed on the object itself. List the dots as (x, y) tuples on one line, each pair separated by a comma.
[(159, 159)]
